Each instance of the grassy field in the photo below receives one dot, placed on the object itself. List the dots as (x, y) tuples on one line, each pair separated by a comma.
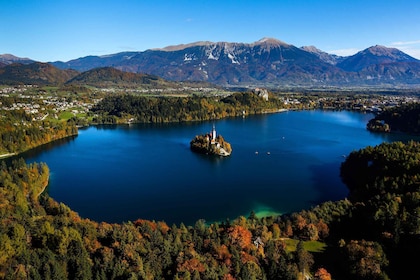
[(310, 246), (65, 115)]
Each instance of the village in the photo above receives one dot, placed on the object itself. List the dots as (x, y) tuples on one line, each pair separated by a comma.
[(42, 103)]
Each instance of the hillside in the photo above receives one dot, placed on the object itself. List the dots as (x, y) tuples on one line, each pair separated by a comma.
[(263, 62), (6, 59), (111, 77), (35, 73), (326, 57), (105, 77), (117, 108), (404, 118), (267, 62), (376, 55)]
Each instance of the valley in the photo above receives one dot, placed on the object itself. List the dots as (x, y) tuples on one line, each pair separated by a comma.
[(32, 109), (301, 218)]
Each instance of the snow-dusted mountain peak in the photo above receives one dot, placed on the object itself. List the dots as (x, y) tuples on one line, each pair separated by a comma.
[(271, 41), (184, 46)]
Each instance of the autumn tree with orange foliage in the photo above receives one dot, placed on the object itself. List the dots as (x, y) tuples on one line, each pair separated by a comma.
[(322, 274), (240, 236), (43, 239), (366, 259)]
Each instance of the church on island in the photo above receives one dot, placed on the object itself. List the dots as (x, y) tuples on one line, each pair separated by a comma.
[(211, 144), (212, 135)]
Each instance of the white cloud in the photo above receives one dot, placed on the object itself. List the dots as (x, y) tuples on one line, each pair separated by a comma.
[(405, 43), (414, 52), (409, 47)]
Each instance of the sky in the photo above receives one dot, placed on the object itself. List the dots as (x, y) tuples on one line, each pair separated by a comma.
[(61, 30)]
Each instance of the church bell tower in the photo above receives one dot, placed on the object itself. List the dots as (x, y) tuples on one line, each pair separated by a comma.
[(213, 133)]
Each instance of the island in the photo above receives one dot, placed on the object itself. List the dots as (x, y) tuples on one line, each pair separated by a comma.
[(211, 144)]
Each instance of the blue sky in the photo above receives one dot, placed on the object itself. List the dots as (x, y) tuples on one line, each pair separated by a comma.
[(50, 30)]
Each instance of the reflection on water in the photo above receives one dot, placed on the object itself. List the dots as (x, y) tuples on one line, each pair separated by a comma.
[(43, 149)]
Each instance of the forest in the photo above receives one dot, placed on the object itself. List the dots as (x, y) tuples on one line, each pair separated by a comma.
[(19, 132), (404, 118), (372, 234), (120, 108)]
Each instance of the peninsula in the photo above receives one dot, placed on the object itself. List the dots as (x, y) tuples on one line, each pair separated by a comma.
[(211, 144)]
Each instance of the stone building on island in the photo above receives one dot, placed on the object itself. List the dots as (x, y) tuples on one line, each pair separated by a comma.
[(211, 144)]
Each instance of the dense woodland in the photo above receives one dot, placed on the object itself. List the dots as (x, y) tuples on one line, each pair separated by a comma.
[(404, 118), (180, 109), (373, 234), (109, 77)]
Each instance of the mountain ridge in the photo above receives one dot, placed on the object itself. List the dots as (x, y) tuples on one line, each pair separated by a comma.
[(34, 73), (324, 56), (263, 41), (105, 77), (267, 62), (374, 55), (6, 59)]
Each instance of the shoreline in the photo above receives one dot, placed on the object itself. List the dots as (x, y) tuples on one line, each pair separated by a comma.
[(44, 187), (7, 155), (273, 111)]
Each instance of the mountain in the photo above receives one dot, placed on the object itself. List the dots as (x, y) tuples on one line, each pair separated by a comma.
[(382, 65), (407, 73), (34, 73), (6, 59), (375, 55), (267, 62), (111, 77), (90, 62), (324, 56), (38, 73)]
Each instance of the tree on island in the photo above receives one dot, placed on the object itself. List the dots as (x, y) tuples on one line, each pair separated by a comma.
[(211, 144)]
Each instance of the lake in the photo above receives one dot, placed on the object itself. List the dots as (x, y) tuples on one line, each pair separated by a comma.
[(280, 163)]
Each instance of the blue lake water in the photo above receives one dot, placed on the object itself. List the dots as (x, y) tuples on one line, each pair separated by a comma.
[(122, 173)]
